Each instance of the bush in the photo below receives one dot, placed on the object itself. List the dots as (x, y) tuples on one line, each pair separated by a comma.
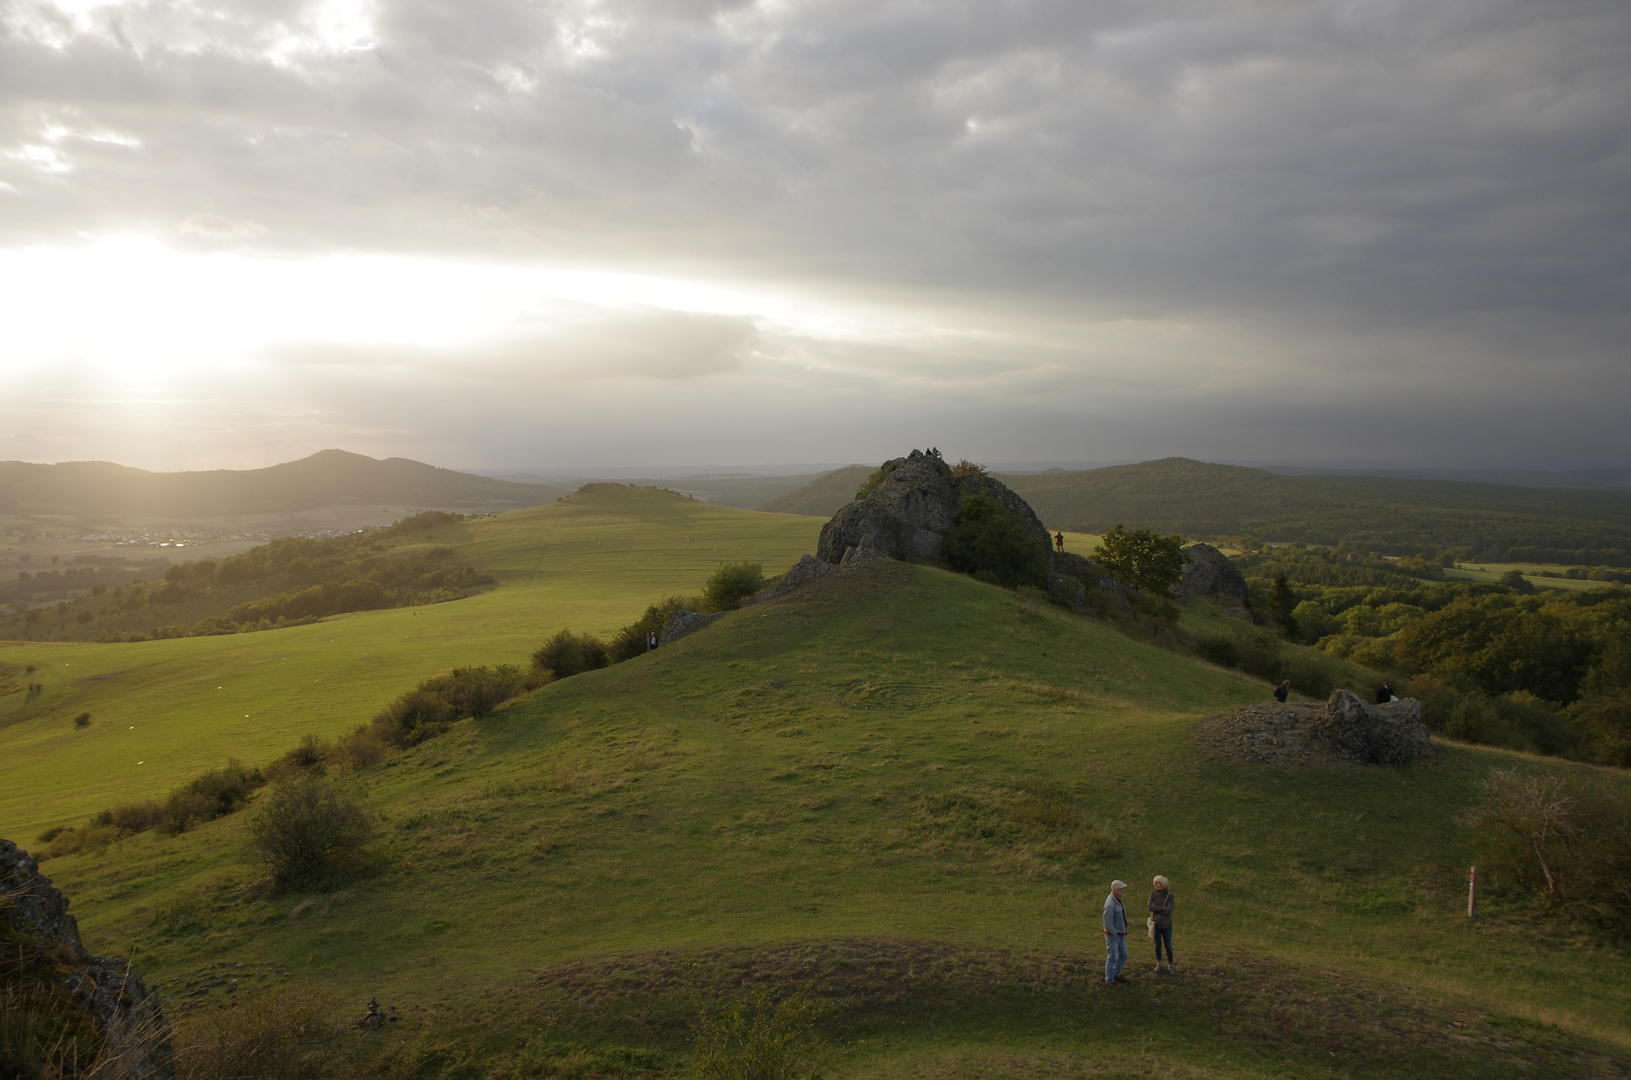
[(83, 720), (870, 484), (477, 691), (310, 833), (756, 1038), (995, 545), (631, 640), (1563, 840), (567, 654), (731, 584), (414, 717)]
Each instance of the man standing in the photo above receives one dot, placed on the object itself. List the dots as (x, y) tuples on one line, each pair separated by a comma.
[(1115, 933), (1059, 541)]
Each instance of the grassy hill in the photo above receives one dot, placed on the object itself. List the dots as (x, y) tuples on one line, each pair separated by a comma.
[(912, 788), (822, 496), (1398, 516), (102, 491), (162, 711)]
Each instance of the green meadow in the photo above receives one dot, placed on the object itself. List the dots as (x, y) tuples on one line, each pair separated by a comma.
[(163, 711), (901, 788)]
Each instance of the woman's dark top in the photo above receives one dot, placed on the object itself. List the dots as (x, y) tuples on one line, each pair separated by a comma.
[(1161, 904)]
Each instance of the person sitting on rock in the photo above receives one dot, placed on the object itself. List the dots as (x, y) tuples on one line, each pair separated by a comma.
[(1282, 692), (1385, 694)]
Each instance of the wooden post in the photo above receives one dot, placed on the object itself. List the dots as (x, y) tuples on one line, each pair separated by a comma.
[(1472, 894)]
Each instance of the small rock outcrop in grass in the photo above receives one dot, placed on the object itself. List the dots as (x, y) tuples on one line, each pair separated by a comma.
[(46, 973), (1344, 727)]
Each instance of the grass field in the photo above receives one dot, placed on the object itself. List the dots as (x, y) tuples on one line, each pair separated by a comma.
[(899, 785), (1540, 575), (163, 711), (913, 789)]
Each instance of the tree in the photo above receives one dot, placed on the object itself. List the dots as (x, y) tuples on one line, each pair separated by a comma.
[(990, 542), (1143, 558), (731, 584), (1283, 603)]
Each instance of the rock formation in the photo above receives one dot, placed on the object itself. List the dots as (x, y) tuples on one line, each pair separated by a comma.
[(801, 573), (130, 1020), (1208, 572), (684, 622), (915, 504), (1375, 734), (1344, 727)]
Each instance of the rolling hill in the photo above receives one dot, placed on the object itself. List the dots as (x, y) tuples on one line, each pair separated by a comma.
[(822, 496), (907, 790), (100, 491), (1484, 522)]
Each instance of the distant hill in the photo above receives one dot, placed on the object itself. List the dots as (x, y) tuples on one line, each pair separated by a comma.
[(822, 496), (1399, 516), (101, 490)]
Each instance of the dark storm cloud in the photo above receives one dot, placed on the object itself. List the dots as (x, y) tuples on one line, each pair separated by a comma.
[(1349, 201)]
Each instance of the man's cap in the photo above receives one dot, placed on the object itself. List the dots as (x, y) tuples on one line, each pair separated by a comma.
[(1114, 885)]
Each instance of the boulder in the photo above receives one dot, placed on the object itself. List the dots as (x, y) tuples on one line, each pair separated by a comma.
[(130, 1018), (1208, 572), (1389, 734), (684, 622)]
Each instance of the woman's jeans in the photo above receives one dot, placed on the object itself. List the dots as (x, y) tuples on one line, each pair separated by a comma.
[(1115, 955), (1163, 933)]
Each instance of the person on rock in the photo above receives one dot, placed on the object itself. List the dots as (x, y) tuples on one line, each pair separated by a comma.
[(1385, 694), (1115, 933), (1059, 541), (1282, 692), (1161, 904)]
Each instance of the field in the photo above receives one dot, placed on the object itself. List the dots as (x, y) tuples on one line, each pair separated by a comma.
[(903, 787), (163, 711)]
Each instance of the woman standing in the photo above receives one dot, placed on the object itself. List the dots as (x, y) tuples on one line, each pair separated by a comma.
[(1161, 903)]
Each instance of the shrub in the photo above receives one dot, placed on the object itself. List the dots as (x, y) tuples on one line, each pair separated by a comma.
[(310, 833), (83, 720), (756, 1038), (132, 817), (967, 468), (731, 584), (870, 484), (1562, 839), (993, 544), (567, 654), (477, 691), (414, 717)]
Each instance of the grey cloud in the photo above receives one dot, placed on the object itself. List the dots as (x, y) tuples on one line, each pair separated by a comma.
[(1438, 192)]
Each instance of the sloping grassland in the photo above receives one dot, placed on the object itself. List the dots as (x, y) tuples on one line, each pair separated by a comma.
[(163, 711), (911, 789)]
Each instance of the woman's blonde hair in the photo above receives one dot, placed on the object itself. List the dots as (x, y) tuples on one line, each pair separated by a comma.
[(1161, 880)]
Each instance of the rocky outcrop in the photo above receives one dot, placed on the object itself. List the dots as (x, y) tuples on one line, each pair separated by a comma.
[(1343, 727), (684, 622), (131, 1021), (1208, 572), (801, 573), (908, 514), (1389, 734)]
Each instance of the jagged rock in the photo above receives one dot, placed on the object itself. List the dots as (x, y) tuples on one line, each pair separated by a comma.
[(800, 574), (1389, 734), (684, 622), (1208, 572), (129, 1017), (908, 514), (1344, 727)]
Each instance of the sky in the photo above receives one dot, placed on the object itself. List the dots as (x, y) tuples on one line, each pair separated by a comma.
[(558, 233)]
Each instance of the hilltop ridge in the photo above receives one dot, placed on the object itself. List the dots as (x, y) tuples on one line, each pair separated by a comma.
[(102, 490)]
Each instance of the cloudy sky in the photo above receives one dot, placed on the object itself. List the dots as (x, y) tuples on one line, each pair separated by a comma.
[(486, 233)]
